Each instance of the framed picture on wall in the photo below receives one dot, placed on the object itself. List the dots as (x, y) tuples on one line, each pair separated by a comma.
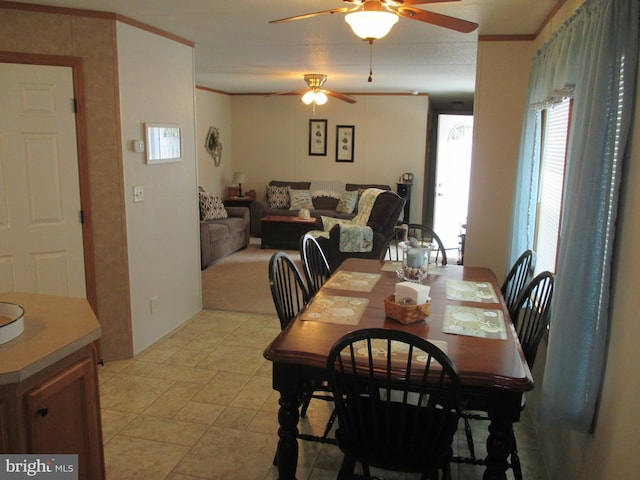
[(318, 137), (345, 142), (163, 143)]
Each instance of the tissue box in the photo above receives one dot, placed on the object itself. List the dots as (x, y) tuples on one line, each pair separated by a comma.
[(417, 293)]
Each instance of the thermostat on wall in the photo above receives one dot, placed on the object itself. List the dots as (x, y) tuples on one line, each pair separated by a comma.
[(137, 146)]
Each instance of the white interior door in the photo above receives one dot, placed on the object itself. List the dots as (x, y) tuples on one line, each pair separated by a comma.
[(455, 133), (41, 244)]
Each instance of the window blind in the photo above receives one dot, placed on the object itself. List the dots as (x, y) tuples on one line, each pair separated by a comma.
[(554, 147)]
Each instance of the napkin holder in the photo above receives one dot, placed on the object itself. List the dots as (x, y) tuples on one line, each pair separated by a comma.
[(415, 292), (405, 313)]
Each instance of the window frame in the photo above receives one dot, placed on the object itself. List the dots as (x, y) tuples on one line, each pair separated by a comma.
[(539, 222)]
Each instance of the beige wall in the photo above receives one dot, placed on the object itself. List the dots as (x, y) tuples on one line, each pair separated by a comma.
[(214, 110), (270, 140), (162, 231), (93, 40), (502, 76)]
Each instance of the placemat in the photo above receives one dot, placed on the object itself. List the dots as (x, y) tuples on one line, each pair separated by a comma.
[(474, 322), (353, 281), (471, 291), (335, 309)]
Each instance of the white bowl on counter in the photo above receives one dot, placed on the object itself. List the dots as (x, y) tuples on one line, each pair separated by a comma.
[(11, 321)]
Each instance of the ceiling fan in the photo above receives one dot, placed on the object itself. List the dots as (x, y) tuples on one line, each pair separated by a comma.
[(315, 94), (373, 19)]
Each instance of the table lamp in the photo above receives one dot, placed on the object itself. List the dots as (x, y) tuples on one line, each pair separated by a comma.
[(239, 178)]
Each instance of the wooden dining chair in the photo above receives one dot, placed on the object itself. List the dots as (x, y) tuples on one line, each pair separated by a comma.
[(530, 317), (289, 292), (398, 401), (530, 314), (426, 235), (290, 295), (314, 263), (519, 275)]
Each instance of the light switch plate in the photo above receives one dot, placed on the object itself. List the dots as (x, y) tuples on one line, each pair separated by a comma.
[(138, 193)]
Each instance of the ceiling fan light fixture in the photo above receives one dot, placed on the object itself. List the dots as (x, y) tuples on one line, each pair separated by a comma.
[(308, 97), (371, 25)]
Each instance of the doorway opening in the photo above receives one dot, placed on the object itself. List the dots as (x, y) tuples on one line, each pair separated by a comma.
[(453, 165)]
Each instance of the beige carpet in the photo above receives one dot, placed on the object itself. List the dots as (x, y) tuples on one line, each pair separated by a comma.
[(240, 281)]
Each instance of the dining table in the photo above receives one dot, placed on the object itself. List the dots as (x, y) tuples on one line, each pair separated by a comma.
[(468, 319)]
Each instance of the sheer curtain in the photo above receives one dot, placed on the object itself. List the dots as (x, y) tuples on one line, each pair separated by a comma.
[(592, 57)]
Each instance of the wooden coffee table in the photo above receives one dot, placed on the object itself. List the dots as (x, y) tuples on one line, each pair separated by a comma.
[(281, 231)]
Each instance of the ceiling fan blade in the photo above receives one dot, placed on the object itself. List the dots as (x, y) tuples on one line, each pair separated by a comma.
[(399, 3), (341, 96), (438, 19), (290, 92), (424, 2), (309, 15)]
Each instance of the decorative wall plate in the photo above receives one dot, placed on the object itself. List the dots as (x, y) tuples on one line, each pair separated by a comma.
[(213, 145)]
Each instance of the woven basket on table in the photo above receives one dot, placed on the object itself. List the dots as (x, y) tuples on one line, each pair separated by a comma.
[(405, 313)]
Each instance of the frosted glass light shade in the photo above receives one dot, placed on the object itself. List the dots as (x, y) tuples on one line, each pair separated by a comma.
[(308, 97), (371, 25), (321, 98)]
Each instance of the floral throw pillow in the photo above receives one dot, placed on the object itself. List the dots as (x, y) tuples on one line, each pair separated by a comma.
[(278, 197), (300, 199), (347, 202), (211, 207)]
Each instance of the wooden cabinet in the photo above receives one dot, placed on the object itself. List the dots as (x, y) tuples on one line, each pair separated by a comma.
[(404, 191), (53, 407), (4, 431)]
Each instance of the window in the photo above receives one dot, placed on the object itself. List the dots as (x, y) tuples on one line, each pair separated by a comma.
[(555, 130)]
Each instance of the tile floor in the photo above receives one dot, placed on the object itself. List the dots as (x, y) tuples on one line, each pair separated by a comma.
[(198, 404)]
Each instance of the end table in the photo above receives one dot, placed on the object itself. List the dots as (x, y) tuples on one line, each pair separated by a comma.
[(238, 201)]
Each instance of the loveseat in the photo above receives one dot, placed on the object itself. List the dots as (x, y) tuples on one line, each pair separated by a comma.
[(328, 198), (223, 230)]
